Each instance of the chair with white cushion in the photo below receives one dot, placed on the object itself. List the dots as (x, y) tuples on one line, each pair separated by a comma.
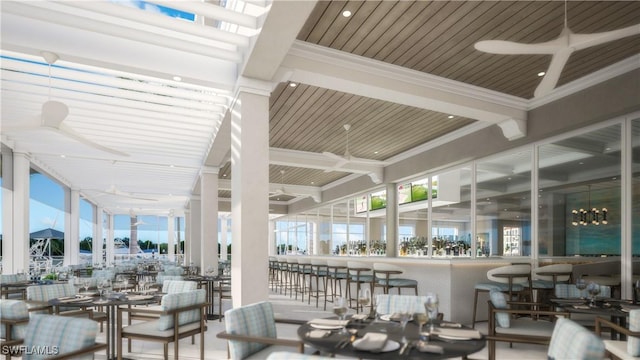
[(251, 333), (389, 304), (70, 337), (14, 318), (572, 341), (182, 315), (527, 328), (620, 349), (510, 279)]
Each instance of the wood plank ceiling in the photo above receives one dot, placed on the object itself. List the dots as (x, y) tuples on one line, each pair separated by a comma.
[(434, 37)]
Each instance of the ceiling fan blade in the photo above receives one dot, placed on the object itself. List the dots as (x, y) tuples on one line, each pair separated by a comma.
[(53, 113), (550, 79), (583, 41), (513, 48), (131, 196), (64, 129), (356, 160)]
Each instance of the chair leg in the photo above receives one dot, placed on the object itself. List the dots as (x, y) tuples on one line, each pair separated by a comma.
[(166, 351), (475, 305)]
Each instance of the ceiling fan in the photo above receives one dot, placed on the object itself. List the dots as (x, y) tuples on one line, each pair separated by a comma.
[(347, 158), (54, 113), (114, 191), (282, 191), (560, 49), (138, 222)]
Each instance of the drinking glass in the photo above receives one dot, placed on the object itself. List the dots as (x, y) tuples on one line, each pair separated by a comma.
[(420, 318), (364, 297), (404, 318), (593, 289), (142, 283), (125, 283), (340, 307), (431, 307), (581, 284)]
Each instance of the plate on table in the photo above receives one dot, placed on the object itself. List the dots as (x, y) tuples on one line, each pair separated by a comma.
[(569, 301), (326, 327), (451, 337), (388, 317), (390, 345)]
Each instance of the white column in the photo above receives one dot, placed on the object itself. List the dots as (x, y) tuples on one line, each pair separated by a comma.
[(18, 257), (250, 195), (209, 218), (7, 208), (187, 237), (224, 229), (98, 236), (110, 234), (72, 228), (171, 237), (392, 221), (195, 239)]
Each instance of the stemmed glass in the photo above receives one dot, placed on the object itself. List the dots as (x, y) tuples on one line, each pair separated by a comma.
[(431, 307), (102, 287), (404, 318), (85, 284), (364, 297), (142, 284), (593, 289), (340, 309), (420, 318)]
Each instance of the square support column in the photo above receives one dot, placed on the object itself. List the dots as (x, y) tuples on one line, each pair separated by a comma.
[(209, 215)]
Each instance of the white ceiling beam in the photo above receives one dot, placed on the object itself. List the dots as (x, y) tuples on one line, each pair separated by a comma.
[(332, 69), (299, 190), (211, 11)]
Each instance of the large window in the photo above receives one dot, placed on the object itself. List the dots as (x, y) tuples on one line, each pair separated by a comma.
[(46, 221), (579, 185), (635, 186), (86, 226)]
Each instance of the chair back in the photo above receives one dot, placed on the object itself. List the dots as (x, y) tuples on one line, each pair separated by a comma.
[(633, 342), (569, 291), (559, 268), (572, 341), (62, 333), (48, 292), (359, 265), (177, 286), (389, 304), (181, 300), (12, 278), (381, 267), (252, 320), (520, 269), (13, 310)]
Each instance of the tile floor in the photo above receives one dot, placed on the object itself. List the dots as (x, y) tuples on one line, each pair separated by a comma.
[(216, 349)]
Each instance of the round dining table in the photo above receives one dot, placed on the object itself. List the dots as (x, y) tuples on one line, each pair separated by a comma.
[(340, 342)]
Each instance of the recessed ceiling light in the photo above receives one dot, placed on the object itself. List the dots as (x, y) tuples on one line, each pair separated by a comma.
[(375, 152), (541, 73), (581, 163), (346, 13), (313, 182), (224, 175), (293, 84), (63, 156), (177, 78), (450, 116)]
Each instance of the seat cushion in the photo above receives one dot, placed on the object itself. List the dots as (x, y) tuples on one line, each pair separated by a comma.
[(14, 310), (633, 343), (65, 333), (251, 320), (573, 341), (399, 282), (150, 328), (618, 349), (488, 286), (527, 327), (499, 301)]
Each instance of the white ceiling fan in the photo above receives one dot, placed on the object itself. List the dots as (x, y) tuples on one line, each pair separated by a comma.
[(137, 222), (347, 158), (560, 49), (54, 113), (114, 191), (282, 191)]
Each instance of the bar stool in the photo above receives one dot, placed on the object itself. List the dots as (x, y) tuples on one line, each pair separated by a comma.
[(336, 272), (292, 276), (304, 270), (358, 273), (318, 270), (511, 279), (283, 271), (273, 272), (387, 277)]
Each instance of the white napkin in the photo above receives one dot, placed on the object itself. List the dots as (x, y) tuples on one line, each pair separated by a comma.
[(74, 299), (461, 333), (139, 297), (318, 334), (329, 322), (371, 341)]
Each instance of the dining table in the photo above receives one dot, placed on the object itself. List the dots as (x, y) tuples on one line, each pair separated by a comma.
[(110, 303), (616, 310), (444, 340)]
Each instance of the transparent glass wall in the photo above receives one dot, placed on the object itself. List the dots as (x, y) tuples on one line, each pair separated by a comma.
[(412, 217), (86, 226), (46, 221), (503, 205), (579, 195), (324, 231), (340, 228), (451, 213)]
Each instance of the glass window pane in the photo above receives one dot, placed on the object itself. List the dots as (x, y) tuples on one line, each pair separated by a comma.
[(635, 187), (579, 177), (46, 221), (451, 213)]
